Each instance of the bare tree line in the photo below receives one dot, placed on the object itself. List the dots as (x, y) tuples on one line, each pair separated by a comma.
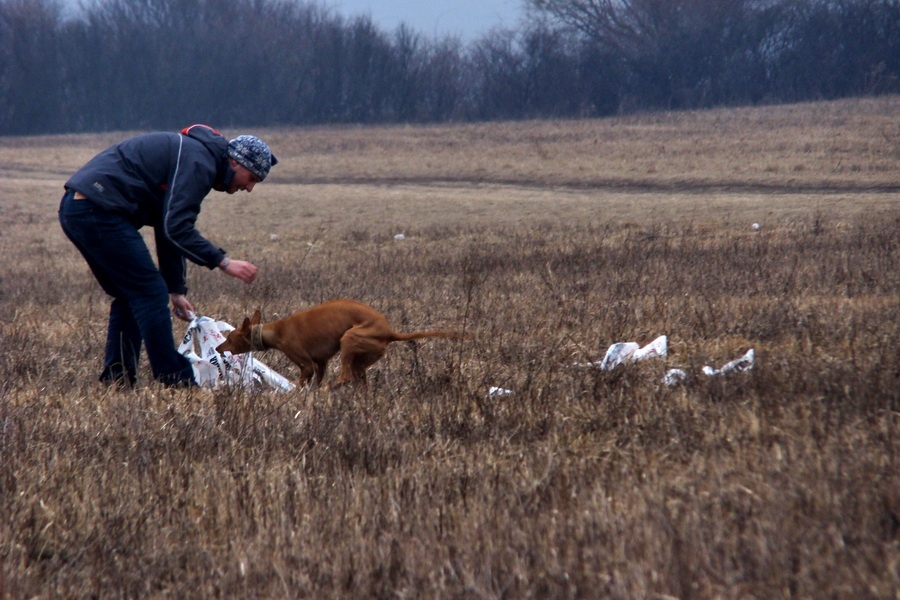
[(146, 64)]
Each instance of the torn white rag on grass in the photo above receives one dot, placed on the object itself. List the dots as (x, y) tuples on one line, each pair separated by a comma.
[(744, 363), (739, 365), (629, 352), (212, 369)]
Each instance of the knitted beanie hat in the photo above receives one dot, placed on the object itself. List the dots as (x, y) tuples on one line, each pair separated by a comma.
[(253, 154)]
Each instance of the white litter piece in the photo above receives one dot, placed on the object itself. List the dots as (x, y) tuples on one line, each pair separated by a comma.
[(212, 369), (617, 354), (744, 363), (629, 352), (499, 391), (400, 236), (756, 226), (674, 376), (658, 347)]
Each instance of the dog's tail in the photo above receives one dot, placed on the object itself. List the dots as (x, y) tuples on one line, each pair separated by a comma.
[(417, 335)]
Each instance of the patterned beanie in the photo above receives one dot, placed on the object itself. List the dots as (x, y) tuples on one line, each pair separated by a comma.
[(253, 153)]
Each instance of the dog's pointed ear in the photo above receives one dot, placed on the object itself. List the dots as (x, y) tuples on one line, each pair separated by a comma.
[(246, 324), (256, 318)]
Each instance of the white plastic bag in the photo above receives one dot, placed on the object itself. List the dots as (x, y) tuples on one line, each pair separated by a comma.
[(212, 369)]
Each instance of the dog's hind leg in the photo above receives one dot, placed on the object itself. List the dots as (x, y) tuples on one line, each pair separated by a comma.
[(358, 353)]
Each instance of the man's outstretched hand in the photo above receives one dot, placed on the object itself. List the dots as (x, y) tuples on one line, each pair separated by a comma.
[(243, 270)]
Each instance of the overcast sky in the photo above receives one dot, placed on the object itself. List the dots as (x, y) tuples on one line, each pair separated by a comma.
[(466, 18)]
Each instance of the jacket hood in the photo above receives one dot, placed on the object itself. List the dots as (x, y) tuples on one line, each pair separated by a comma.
[(217, 145)]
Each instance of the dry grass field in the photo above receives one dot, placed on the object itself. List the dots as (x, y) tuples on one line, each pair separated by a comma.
[(547, 242)]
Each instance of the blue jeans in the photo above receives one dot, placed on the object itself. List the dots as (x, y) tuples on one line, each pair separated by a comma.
[(121, 262)]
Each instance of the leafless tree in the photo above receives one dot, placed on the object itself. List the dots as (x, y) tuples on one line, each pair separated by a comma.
[(682, 51), (30, 65), (162, 64)]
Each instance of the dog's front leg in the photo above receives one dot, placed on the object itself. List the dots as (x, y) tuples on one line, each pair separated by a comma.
[(308, 367)]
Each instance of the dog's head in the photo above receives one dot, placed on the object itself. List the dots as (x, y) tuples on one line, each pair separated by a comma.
[(238, 340)]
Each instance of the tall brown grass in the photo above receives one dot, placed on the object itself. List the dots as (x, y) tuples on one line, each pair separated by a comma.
[(547, 241)]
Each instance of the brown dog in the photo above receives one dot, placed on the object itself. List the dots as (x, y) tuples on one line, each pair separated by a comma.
[(311, 337)]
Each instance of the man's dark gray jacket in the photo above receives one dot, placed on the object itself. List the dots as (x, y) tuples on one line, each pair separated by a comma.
[(160, 180)]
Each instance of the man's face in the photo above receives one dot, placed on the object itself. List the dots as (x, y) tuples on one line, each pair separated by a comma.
[(243, 179)]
